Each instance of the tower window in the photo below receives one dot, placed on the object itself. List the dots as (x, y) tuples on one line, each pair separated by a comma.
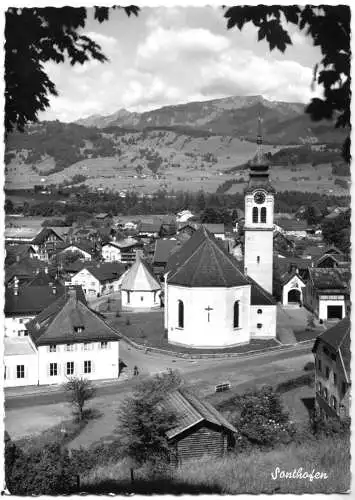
[(255, 214), (181, 314), (263, 214), (258, 259), (260, 311), (236, 314), (259, 325)]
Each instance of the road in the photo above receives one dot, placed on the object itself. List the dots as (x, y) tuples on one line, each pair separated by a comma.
[(202, 372)]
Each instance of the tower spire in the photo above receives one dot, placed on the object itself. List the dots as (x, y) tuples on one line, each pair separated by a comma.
[(259, 141)]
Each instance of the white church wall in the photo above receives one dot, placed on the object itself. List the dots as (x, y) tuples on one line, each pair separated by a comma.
[(104, 361), (140, 300), (263, 321), (198, 331), (294, 284), (258, 257)]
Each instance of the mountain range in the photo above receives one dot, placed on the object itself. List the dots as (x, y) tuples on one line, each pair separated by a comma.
[(283, 122)]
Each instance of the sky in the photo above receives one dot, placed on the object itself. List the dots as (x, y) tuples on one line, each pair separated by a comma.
[(172, 55)]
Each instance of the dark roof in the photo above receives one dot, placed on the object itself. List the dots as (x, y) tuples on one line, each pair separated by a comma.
[(44, 278), (215, 228), (150, 227), (56, 324), (259, 296), (288, 275), (292, 224), (43, 235), (163, 250), (190, 410), (21, 250), (26, 268), (106, 271), (335, 278), (314, 251), (338, 338), (203, 262), (33, 299), (85, 245)]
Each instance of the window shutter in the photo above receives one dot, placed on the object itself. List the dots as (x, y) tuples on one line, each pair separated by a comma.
[(48, 370), (92, 367), (58, 369), (25, 371)]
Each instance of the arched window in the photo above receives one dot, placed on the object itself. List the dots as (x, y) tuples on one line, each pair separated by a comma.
[(181, 314), (236, 314), (263, 214), (255, 214)]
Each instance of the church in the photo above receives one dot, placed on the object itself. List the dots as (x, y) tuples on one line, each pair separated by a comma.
[(211, 299)]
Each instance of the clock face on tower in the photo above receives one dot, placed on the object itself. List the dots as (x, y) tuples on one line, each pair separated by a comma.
[(259, 197)]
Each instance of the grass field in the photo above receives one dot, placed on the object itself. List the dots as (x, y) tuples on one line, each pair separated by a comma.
[(148, 329)]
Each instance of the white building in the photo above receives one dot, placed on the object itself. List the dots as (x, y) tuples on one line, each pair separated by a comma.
[(67, 339), (99, 279), (121, 251), (77, 248), (209, 302), (184, 216), (210, 299), (292, 289), (140, 289)]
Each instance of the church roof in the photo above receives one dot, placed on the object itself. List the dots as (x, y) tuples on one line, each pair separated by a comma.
[(203, 262), (140, 277)]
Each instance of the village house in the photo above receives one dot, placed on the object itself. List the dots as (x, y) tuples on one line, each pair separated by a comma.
[(327, 292), (184, 216), (162, 251), (200, 429), (23, 303), (25, 270), (332, 358), (140, 289), (99, 279), (121, 251), (149, 229), (292, 227), (185, 231), (332, 257), (65, 340), (85, 249), (292, 288), (45, 243), (17, 235)]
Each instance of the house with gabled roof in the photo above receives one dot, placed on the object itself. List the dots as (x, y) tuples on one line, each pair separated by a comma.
[(140, 289), (200, 430), (98, 279), (332, 357), (327, 292), (46, 242), (23, 303), (210, 301), (121, 251), (67, 339)]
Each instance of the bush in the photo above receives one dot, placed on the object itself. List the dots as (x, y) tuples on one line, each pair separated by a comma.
[(262, 420), (40, 471)]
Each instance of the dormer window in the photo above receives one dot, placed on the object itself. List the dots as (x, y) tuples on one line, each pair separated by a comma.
[(78, 329)]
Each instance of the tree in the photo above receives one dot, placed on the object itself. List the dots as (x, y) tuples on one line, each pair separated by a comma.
[(34, 36), (329, 26), (144, 419), (79, 392), (337, 231)]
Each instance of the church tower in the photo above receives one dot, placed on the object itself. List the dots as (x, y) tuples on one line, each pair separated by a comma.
[(259, 220)]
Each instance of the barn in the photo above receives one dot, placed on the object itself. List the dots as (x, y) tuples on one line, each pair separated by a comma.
[(200, 431)]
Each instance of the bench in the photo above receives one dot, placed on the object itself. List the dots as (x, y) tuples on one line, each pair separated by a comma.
[(223, 387)]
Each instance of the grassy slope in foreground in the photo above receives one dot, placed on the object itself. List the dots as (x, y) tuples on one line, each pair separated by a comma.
[(235, 474)]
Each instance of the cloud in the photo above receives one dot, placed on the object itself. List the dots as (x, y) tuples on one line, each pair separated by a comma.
[(107, 43)]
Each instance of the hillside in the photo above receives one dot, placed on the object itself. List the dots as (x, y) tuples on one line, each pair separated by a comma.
[(283, 123)]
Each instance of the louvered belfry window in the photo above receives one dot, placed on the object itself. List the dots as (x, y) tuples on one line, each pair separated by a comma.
[(263, 214), (255, 214), (181, 314)]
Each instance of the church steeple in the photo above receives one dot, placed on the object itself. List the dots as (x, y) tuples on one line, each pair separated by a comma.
[(259, 165), (259, 142)]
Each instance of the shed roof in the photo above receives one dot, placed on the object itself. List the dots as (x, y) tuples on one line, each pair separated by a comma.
[(191, 410), (140, 278), (57, 324), (203, 262)]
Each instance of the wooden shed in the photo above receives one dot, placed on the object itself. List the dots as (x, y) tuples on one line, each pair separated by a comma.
[(201, 430)]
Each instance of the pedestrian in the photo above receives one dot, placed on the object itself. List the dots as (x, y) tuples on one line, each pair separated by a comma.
[(135, 370)]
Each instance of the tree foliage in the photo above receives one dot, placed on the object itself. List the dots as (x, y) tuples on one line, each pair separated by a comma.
[(329, 27), (261, 419), (39, 471), (79, 391), (144, 419), (337, 231), (33, 37)]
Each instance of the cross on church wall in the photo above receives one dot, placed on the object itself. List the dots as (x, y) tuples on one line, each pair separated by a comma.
[(208, 309)]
